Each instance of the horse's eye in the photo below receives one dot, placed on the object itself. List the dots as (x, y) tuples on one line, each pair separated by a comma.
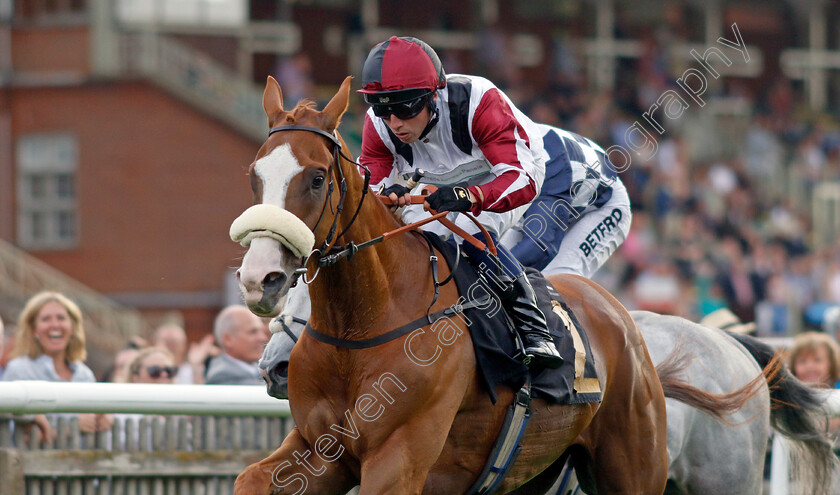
[(317, 182)]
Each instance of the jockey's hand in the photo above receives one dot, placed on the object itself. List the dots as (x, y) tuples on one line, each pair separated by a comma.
[(450, 198), (398, 193)]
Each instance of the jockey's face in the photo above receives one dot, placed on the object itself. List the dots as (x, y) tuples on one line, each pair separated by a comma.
[(409, 130)]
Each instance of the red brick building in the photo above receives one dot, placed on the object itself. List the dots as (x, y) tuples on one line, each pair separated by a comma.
[(157, 184), (116, 181)]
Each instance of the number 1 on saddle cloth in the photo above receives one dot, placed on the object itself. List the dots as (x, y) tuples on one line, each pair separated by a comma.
[(507, 279)]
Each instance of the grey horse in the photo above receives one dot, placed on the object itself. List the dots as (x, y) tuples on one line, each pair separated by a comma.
[(726, 456), (707, 455)]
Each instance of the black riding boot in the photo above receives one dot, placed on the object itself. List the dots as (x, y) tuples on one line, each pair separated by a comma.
[(507, 279), (521, 304)]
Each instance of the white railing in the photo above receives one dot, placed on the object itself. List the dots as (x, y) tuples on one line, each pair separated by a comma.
[(190, 455), (36, 397), (187, 439), (195, 77)]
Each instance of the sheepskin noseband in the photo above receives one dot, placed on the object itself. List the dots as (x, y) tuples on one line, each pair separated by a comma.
[(266, 220)]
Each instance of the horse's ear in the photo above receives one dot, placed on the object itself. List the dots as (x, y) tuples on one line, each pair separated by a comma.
[(272, 101), (338, 105)]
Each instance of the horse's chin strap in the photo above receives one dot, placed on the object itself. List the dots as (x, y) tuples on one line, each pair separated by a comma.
[(282, 324)]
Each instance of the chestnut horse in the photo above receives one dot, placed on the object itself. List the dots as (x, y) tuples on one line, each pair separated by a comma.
[(378, 418)]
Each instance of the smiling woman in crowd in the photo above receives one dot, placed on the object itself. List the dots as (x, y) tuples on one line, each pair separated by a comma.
[(50, 345)]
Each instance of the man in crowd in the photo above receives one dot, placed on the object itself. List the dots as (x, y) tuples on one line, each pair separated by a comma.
[(242, 337)]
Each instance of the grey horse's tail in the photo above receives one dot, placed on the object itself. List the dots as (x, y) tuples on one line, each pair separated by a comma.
[(799, 416)]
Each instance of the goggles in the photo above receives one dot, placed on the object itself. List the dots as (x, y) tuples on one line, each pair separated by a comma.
[(403, 111)]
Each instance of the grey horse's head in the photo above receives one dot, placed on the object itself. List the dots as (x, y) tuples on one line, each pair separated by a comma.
[(285, 329)]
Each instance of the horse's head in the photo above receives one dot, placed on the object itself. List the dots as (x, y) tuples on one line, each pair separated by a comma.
[(292, 178), (285, 329)]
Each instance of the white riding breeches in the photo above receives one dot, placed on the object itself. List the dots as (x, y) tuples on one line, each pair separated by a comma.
[(591, 240)]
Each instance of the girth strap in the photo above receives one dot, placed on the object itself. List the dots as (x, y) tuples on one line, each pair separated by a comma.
[(397, 332), (507, 448)]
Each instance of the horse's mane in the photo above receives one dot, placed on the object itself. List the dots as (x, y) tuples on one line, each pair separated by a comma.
[(304, 110), (306, 103)]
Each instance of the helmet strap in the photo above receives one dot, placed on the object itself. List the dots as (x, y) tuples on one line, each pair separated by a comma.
[(432, 106)]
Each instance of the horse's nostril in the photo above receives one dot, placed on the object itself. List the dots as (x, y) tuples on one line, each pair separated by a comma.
[(274, 280), (282, 369)]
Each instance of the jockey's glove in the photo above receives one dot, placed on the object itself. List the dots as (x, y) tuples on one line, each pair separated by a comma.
[(397, 189), (450, 198)]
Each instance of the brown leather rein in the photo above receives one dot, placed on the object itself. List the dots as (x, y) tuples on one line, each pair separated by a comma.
[(350, 249), (328, 253)]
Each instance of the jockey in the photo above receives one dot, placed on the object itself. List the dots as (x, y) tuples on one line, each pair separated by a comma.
[(582, 213), (484, 155)]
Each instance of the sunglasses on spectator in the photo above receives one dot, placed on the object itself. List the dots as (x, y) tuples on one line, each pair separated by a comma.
[(403, 111), (158, 371)]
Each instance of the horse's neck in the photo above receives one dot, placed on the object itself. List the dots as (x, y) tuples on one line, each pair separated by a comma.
[(352, 295)]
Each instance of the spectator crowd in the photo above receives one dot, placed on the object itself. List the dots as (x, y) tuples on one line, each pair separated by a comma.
[(723, 210), (50, 344)]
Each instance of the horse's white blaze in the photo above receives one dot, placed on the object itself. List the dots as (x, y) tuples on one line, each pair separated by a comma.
[(276, 171)]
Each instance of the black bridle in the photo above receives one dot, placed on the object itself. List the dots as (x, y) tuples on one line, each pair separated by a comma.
[(327, 245), (327, 254)]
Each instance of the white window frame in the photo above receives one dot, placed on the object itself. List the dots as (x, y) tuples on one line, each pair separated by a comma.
[(49, 158)]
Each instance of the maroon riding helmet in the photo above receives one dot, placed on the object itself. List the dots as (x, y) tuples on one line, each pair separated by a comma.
[(400, 76)]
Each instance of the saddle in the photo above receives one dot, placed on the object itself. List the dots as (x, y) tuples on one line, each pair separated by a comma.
[(498, 351)]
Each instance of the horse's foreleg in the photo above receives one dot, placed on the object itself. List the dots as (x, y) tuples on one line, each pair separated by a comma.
[(294, 468), (401, 464)]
